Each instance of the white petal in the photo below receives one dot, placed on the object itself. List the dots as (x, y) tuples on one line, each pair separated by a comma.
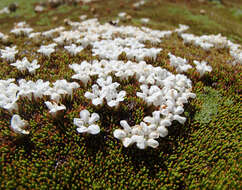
[(162, 131), (94, 117), (78, 122), (82, 129), (125, 125), (112, 103), (154, 135), (121, 95), (89, 95), (93, 129), (84, 115), (127, 142), (97, 101), (141, 144), (179, 110), (152, 143), (180, 119), (165, 122), (119, 134), (149, 119)]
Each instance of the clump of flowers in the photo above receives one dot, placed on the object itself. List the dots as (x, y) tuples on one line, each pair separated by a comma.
[(73, 49), (202, 67), (8, 95), (86, 123), (21, 28), (108, 91), (26, 65), (179, 63), (47, 49), (9, 53)]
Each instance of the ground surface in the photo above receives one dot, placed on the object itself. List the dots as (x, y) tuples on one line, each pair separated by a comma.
[(204, 153)]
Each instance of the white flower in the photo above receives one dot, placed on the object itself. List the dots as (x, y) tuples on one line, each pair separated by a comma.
[(35, 35), (17, 124), (202, 67), (50, 33), (144, 20), (152, 95), (73, 49), (83, 17), (61, 87), (143, 135), (181, 28), (122, 14), (4, 10), (83, 72), (9, 53), (125, 134), (179, 63), (8, 95), (20, 31), (86, 123), (47, 49), (54, 107), (107, 91), (25, 64)]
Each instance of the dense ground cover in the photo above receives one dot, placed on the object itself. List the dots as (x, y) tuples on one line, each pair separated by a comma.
[(203, 153)]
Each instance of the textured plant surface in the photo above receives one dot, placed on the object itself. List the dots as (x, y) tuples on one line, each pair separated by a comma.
[(204, 153)]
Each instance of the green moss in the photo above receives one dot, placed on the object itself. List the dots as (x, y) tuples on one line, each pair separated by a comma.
[(211, 100)]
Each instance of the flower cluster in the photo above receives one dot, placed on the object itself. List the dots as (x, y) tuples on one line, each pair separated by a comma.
[(206, 41), (235, 52), (111, 49), (10, 92), (50, 33), (8, 95), (139, 3), (9, 53), (73, 49), (26, 65), (21, 28), (67, 37), (179, 63), (202, 67), (86, 123), (108, 92), (47, 49)]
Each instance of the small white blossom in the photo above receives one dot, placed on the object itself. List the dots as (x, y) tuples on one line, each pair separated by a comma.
[(73, 49), (17, 125), (107, 91), (47, 49), (144, 20), (202, 67), (26, 65), (86, 123), (9, 53), (54, 108)]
